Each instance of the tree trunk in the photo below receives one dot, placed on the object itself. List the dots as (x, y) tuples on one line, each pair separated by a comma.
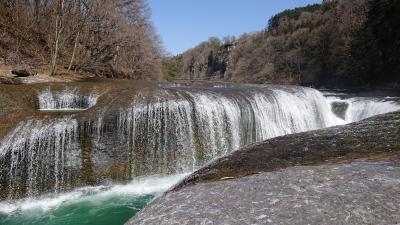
[(58, 32), (73, 52)]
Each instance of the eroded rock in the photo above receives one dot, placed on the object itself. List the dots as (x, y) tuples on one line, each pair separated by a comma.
[(355, 193)]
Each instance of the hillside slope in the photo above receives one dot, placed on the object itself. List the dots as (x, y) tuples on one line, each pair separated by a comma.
[(333, 44), (103, 37)]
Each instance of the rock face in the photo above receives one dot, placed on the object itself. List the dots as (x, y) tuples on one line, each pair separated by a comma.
[(356, 193), (305, 178)]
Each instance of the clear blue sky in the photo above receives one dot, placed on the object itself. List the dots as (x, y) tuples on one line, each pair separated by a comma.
[(183, 24)]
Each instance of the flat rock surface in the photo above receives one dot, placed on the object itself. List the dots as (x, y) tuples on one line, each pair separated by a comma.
[(361, 192)]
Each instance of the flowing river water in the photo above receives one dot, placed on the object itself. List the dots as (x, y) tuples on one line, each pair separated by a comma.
[(101, 157)]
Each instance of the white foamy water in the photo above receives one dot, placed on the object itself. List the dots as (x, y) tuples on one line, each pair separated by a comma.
[(66, 100), (360, 108), (138, 187)]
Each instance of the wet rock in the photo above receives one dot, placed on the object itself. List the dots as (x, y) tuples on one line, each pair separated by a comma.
[(340, 108), (23, 73), (355, 193)]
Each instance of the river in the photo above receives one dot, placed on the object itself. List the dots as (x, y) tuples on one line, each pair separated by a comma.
[(95, 156)]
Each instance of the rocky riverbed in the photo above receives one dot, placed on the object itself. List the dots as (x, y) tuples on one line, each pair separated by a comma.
[(341, 175)]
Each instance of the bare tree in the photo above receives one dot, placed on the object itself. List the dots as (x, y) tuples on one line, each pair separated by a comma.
[(57, 34), (106, 37)]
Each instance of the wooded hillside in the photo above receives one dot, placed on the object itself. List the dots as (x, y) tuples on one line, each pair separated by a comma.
[(112, 38), (336, 43)]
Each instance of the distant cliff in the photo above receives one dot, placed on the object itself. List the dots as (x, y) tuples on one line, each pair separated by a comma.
[(332, 44)]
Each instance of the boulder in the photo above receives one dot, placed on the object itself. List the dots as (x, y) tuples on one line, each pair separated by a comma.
[(23, 73)]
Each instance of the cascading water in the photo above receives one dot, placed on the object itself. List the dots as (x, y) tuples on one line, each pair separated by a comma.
[(165, 130), (68, 99), (160, 131), (180, 129), (359, 108), (35, 155)]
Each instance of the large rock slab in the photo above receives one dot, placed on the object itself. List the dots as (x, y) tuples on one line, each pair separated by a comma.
[(305, 178), (369, 137), (356, 193)]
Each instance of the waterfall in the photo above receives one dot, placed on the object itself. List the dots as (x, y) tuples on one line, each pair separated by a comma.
[(180, 129), (68, 99), (163, 130), (158, 134), (37, 153), (359, 108)]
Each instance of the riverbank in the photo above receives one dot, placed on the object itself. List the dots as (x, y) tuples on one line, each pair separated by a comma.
[(39, 75), (313, 177)]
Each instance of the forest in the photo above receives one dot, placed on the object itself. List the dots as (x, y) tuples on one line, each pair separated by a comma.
[(333, 44), (109, 38)]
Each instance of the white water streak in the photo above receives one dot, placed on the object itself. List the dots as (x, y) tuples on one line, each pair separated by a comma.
[(39, 150), (360, 108), (68, 99)]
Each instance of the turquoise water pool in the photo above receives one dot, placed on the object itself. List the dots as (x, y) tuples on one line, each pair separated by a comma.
[(108, 205)]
